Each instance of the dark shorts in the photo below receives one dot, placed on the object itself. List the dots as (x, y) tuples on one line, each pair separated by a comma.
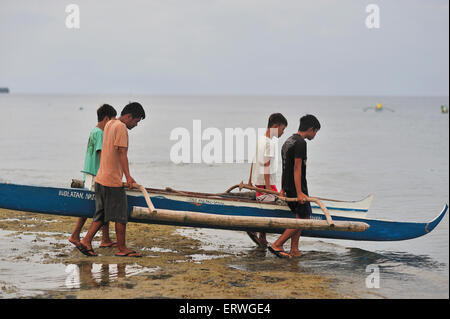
[(302, 210), (110, 204)]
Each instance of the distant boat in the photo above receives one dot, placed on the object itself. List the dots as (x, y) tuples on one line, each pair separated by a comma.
[(4, 90), (444, 109), (378, 107)]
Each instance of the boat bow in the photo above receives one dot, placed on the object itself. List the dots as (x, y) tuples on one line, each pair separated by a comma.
[(432, 224)]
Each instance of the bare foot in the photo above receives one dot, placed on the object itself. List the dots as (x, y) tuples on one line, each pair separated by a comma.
[(295, 253), (263, 240), (279, 252), (75, 241), (128, 253), (257, 240), (108, 244), (87, 249)]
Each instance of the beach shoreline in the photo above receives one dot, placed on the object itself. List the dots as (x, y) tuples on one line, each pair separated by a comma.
[(173, 266)]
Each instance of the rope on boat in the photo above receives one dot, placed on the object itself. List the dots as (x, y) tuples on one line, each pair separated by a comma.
[(170, 189), (262, 190)]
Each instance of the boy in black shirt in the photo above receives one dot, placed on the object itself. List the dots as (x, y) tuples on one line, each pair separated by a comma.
[(293, 182)]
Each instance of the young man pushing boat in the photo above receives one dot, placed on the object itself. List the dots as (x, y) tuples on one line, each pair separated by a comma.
[(293, 182), (110, 197), (91, 164), (264, 166)]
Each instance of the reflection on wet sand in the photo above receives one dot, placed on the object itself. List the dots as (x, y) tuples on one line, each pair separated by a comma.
[(87, 275)]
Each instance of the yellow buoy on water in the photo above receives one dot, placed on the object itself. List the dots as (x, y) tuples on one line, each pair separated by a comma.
[(378, 108)]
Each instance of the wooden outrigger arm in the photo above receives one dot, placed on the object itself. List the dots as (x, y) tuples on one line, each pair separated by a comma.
[(146, 196), (170, 215), (287, 199), (330, 222)]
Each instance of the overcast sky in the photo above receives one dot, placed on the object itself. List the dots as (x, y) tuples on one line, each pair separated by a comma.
[(317, 47)]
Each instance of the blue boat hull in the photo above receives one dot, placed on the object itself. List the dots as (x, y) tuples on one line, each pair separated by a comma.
[(81, 203)]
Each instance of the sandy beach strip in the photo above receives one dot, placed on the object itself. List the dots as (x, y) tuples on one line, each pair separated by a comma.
[(176, 272)]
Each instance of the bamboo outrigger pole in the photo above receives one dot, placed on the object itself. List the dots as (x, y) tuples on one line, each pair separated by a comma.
[(242, 222)]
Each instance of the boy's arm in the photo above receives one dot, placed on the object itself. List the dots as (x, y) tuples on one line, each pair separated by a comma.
[(282, 193), (268, 155), (297, 179), (124, 163), (267, 176), (99, 143)]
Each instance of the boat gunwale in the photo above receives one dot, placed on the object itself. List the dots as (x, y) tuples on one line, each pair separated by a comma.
[(236, 198), (205, 196), (194, 194), (202, 195), (22, 189)]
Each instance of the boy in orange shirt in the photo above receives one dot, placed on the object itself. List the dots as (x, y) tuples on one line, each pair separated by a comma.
[(110, 197), (91, 164)]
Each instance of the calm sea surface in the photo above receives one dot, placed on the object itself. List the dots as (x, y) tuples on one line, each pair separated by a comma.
[(399, 154)]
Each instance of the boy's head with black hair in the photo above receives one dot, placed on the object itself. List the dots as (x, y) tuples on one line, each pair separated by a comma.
[(309, 125), (277, 123), (107, 111), (277, 119), (135, 109), (131, 114)]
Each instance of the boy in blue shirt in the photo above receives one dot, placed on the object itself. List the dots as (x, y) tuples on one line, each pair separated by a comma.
[(91, 165)]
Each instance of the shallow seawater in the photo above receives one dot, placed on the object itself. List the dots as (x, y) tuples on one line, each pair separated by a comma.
[(23, 272), (400, 157), (370, 274)]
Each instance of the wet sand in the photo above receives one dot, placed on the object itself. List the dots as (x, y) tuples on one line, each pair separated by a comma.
[(172, 266)]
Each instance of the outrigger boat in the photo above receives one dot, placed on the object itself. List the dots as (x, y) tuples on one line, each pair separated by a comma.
[(232, 210)]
